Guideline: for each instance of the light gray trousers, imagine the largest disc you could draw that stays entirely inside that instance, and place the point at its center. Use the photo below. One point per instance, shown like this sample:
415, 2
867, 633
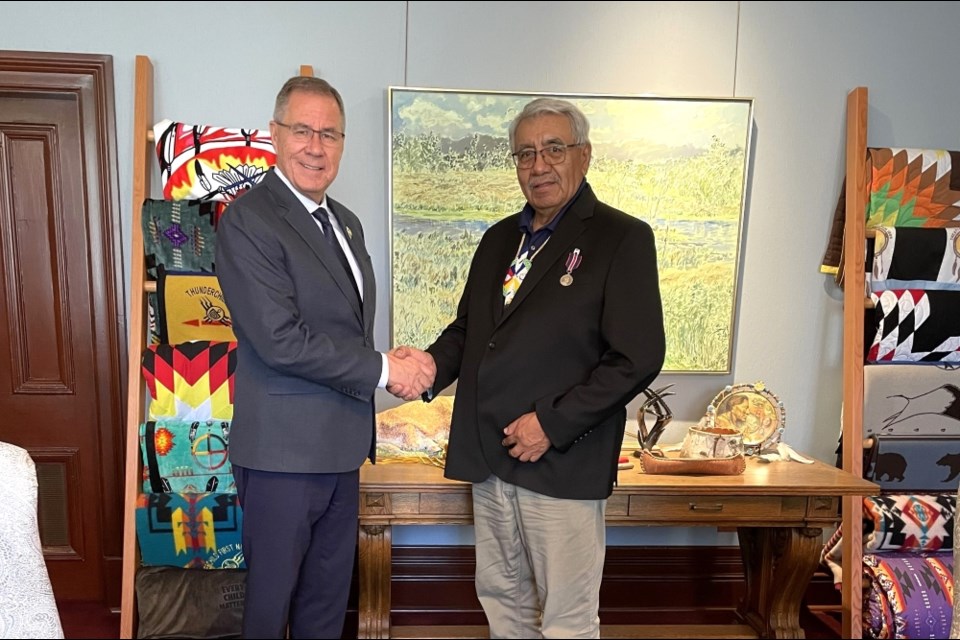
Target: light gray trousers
539, 562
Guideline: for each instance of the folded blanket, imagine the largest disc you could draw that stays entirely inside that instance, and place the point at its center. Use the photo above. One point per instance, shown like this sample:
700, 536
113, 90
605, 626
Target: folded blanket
915, 325
186, 456
907, 595
907, 188
914, 524
911, 400
178, 235
915, 258
190, 381
190, 530
185, 603
207, 163
192, 308
908, 464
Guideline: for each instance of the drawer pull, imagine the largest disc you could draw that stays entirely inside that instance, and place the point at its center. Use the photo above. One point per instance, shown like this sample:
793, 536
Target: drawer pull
706, 507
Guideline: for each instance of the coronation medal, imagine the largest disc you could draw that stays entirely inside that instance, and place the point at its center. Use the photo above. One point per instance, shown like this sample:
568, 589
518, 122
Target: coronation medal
573, 261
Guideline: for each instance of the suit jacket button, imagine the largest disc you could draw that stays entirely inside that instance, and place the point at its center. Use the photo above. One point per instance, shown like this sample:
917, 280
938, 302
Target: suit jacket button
492, 345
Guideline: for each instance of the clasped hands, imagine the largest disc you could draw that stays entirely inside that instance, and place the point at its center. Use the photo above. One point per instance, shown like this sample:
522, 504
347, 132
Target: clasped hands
525, 438
412, 372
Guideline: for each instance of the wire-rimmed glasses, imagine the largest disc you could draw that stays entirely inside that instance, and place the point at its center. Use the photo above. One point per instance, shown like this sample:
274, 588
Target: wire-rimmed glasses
304, 134
551, 154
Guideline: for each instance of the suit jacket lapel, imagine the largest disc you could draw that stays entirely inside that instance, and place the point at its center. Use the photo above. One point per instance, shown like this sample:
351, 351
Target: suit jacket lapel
557, 248
303, 223
358, 250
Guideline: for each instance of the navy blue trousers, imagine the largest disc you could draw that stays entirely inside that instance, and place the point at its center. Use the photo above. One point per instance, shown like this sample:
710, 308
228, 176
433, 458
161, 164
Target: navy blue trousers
299, 541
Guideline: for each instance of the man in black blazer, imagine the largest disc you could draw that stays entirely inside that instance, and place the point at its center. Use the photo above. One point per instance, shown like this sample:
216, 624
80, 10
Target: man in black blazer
299, 284
559, 327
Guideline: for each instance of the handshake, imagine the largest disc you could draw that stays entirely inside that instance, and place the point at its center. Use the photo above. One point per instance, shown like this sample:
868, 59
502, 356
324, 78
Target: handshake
412, 372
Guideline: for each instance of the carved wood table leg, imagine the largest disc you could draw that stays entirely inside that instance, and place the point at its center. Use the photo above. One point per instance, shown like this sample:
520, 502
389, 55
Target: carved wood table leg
375, 554
778, 565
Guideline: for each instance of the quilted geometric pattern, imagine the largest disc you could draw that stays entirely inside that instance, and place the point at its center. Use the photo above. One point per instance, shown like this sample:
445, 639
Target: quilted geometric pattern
908, 188
916, 325
911, 188
190, 381
205, 163
909, 522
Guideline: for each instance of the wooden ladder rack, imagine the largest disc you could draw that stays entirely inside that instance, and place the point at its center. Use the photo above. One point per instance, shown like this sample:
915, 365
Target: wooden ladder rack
140, 288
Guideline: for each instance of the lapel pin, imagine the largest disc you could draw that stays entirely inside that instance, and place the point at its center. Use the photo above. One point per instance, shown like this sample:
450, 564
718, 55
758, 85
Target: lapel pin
349, 233
573, 261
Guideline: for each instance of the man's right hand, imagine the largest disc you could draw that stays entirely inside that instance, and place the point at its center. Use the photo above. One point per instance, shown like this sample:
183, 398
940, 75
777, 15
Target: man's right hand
412, 372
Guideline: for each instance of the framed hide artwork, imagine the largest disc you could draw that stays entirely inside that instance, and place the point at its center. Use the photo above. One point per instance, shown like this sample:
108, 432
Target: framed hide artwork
680, 164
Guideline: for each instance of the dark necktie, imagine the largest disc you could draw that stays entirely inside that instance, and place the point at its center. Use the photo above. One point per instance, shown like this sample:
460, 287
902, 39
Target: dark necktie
323, 217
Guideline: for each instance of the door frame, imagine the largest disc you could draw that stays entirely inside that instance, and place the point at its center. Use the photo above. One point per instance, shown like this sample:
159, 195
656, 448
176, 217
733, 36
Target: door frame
90, 78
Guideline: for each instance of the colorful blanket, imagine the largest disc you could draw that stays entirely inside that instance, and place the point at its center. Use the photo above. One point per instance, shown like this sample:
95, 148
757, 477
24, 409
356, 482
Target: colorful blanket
186, 456
178, 235
907, 188
190, 381
915, 524
192, 308
202, 162
909, 522
907, 595
190, 530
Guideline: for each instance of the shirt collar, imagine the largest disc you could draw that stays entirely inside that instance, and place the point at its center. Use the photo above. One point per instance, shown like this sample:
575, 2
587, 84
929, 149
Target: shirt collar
308, 203
526, 214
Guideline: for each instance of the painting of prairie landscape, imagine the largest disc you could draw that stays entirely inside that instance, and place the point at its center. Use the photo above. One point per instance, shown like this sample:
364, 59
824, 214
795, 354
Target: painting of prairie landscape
680, 164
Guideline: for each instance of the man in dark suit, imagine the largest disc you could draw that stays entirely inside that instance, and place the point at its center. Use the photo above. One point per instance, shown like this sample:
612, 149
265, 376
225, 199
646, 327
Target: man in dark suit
559, 327
299, 284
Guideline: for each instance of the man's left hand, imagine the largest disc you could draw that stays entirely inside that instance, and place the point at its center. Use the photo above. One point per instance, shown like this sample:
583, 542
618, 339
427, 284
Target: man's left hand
525, 438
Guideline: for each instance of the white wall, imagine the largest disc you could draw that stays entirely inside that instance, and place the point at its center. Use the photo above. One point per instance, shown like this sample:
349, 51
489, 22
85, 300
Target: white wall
223, 64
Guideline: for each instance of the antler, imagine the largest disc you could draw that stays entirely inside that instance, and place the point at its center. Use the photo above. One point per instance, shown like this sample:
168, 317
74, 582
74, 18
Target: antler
655, 406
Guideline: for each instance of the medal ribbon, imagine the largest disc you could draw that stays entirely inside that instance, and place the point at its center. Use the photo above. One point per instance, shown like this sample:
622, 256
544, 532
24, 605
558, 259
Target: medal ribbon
573, 260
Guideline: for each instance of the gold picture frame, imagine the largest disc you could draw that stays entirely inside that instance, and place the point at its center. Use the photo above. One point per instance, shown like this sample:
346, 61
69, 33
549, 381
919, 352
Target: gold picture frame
680, 164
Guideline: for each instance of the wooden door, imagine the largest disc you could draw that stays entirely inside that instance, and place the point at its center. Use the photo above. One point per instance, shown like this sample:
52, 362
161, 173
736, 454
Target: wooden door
61, 319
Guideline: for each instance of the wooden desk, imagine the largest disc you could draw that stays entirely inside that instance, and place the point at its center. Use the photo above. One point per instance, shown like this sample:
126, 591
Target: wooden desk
779, 510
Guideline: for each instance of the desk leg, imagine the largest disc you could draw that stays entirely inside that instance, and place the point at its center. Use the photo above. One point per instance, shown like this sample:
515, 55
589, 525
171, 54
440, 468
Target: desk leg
375, 553
778, 565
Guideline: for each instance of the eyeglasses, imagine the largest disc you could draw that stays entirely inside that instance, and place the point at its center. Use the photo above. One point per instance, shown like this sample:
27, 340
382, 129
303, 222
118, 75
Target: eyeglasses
551, 154
303, 133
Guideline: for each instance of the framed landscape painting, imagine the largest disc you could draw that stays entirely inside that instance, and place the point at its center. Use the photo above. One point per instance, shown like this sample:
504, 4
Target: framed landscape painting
680, 164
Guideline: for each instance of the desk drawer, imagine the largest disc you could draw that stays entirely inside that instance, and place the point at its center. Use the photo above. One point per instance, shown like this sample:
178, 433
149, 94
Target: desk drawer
416, 503
707, 509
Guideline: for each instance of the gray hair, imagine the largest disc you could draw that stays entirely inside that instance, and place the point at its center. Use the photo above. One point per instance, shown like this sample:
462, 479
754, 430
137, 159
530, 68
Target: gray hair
546, 106
307, 84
